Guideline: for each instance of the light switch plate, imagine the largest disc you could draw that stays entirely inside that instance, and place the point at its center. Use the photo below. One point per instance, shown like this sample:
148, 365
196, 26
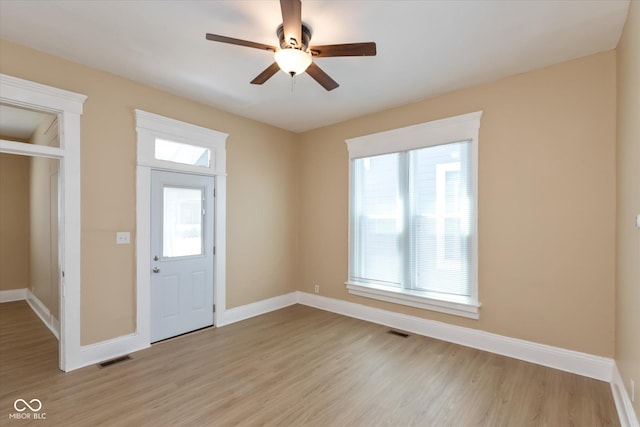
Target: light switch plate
123, 237
638, 221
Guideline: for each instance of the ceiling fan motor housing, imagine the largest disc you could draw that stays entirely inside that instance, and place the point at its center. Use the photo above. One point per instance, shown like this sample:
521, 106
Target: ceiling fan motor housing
292, 43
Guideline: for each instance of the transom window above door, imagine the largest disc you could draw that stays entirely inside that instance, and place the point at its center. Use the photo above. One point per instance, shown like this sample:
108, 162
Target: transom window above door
169, 144
185, 154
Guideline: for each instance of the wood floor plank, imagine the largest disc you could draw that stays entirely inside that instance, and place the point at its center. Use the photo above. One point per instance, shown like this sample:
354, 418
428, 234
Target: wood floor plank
297, 366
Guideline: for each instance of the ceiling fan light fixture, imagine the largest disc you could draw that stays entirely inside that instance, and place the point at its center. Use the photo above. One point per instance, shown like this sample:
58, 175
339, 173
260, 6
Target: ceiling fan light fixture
293, 61
295, 55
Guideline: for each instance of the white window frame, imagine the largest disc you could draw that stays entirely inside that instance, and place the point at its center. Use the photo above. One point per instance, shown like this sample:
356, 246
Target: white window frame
464, 127
150, 126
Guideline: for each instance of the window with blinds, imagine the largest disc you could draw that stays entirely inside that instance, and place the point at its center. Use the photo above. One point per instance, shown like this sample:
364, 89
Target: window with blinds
413, 219
416, 238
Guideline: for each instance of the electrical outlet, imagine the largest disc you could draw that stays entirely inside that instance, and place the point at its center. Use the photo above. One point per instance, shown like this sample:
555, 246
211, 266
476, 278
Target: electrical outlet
123, 238
316, 288
633, 389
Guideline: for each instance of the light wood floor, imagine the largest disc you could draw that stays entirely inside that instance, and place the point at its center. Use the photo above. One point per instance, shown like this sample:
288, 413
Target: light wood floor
294, 367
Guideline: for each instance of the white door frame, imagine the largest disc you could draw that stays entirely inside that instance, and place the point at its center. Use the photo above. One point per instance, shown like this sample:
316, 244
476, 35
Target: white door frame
68, 107
149, 127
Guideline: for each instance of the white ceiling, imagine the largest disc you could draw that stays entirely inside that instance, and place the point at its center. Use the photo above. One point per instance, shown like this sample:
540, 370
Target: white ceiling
425, 48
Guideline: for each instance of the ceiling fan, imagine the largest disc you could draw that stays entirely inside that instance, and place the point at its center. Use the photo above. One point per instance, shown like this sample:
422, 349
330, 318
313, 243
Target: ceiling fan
294, 55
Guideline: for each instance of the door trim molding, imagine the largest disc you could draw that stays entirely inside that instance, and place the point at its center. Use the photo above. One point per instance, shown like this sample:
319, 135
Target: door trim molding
68, 106
150, 126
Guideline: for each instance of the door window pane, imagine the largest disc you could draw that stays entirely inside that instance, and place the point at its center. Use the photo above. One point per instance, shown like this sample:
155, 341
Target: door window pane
182, 213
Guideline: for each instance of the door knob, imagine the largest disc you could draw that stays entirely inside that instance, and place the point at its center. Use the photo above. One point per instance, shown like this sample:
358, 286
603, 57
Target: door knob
156, 270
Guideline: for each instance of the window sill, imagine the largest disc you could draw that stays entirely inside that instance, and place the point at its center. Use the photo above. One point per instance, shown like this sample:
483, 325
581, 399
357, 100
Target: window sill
458, 306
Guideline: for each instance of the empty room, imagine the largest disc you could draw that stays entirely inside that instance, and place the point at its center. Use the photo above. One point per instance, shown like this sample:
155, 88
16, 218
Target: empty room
320, 213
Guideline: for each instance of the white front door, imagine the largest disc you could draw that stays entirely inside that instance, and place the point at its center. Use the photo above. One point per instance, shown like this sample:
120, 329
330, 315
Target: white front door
181, 264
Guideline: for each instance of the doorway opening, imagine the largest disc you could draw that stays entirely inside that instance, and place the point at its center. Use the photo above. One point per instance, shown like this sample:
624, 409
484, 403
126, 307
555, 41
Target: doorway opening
66, 107
29, 222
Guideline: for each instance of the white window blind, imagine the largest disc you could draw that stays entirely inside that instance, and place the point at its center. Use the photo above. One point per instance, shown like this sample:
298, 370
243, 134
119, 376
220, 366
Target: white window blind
413, 217
377, 206
439, 219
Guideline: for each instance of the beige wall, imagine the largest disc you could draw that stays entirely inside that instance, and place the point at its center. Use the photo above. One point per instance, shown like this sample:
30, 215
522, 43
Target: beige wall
628, 206
546, 203
546, 196
14, 222
261, 190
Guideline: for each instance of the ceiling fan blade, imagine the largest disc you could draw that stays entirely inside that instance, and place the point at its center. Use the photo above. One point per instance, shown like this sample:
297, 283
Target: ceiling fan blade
347, 49
239, 42
321, 77
292, 21
266, 74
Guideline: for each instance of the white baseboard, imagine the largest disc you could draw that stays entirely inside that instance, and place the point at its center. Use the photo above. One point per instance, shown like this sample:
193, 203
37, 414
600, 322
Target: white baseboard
38, 308
13, 295
600, 368
623, 402
584, 364
44, 314
243, 312
55, 324
106, 350
120, 346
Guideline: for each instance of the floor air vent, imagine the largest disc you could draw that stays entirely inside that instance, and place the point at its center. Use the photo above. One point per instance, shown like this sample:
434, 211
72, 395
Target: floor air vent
113, 361
398, 333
